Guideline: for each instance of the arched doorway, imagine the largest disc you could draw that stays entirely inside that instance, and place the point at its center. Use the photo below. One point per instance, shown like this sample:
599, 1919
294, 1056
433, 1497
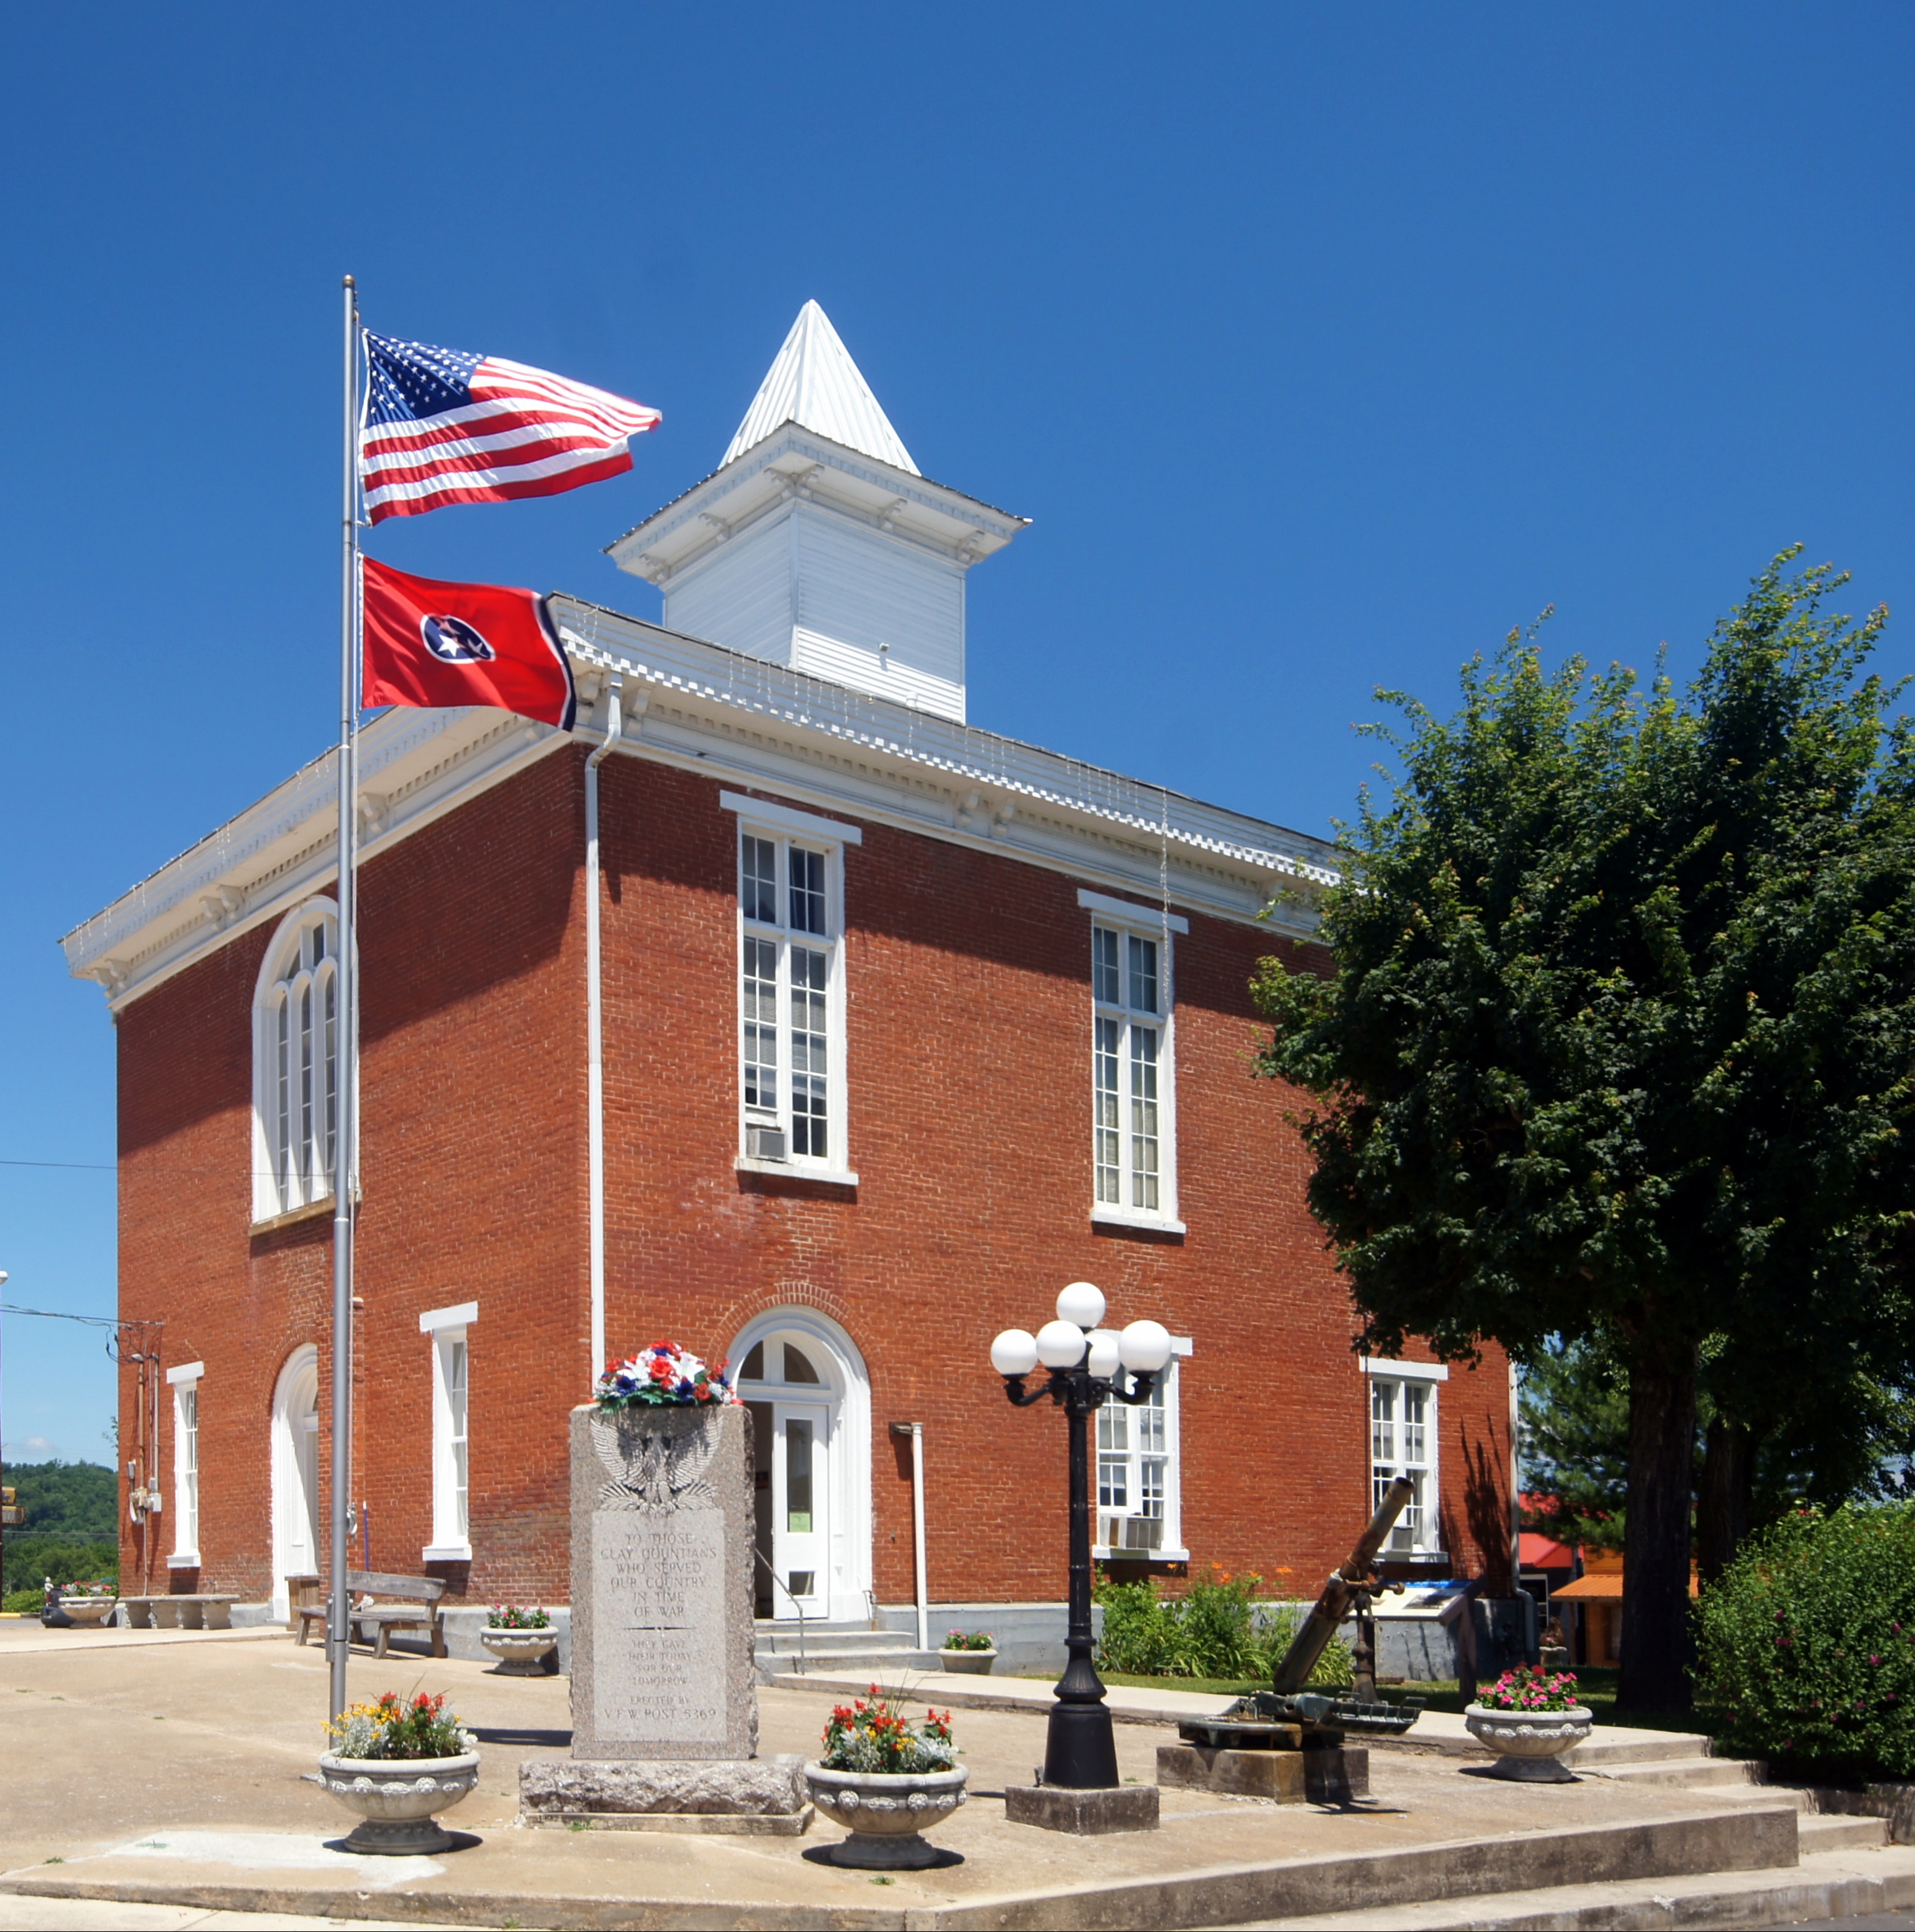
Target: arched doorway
295, 1497
804, 1381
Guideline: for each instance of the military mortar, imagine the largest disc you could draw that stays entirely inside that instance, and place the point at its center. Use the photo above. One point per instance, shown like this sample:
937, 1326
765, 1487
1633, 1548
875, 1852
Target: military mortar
1224, 1752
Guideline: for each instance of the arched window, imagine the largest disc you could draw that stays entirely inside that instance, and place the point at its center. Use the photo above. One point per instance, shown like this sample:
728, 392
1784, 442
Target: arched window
295, 1062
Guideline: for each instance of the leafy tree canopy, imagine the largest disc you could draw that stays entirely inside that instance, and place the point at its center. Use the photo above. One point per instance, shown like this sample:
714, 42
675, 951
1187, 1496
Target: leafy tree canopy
1620, 1044
79, 1502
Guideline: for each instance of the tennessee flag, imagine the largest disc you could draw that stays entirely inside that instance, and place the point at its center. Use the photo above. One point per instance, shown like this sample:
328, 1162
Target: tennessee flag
444, 644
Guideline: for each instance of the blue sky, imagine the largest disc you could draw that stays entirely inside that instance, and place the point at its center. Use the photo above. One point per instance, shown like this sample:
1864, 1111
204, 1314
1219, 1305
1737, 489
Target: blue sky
1322, 345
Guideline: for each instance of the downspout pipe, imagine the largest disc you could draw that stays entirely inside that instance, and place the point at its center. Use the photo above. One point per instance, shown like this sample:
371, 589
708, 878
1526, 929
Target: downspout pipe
613, 708
915, 1430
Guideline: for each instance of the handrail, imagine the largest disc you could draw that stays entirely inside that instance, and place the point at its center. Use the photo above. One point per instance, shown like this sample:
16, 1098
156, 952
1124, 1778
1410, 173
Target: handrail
777, 1583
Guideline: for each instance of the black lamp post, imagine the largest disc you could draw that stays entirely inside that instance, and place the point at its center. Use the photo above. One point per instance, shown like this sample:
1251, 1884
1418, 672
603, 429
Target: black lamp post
1086, 1368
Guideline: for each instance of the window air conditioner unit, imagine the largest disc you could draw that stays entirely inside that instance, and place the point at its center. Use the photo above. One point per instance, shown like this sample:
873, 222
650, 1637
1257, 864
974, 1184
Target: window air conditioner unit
765, 1143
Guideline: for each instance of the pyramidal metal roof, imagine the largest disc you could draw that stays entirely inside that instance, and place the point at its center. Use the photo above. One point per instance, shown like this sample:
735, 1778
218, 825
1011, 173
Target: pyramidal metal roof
814, 383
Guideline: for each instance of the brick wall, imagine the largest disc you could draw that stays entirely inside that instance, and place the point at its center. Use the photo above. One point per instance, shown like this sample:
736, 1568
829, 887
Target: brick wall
967, 1011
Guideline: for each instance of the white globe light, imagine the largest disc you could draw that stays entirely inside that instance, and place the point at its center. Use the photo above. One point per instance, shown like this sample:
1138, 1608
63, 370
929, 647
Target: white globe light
1014, 1352
1103, 1353
1059, 1345
1083, 1302
1145, 1346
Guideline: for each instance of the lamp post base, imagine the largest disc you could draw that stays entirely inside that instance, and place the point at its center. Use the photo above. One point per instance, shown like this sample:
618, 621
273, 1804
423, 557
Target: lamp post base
1123, 1807
1080, 1749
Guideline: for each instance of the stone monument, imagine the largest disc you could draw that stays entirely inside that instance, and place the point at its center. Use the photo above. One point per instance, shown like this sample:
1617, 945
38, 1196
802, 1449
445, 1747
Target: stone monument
664, 1697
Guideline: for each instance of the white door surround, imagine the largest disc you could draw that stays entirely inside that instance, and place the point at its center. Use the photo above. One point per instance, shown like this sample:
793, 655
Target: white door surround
295, 1498
835, 1546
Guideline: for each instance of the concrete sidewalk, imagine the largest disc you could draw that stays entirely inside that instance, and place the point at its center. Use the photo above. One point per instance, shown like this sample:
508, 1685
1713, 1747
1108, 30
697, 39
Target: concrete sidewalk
179, 1776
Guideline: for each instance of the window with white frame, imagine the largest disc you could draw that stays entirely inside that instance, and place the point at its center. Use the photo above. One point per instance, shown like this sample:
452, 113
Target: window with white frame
296, 1056
1403, 1442
1133, 1102
791, 1059
185, 1382
1138, 1512
452, 1510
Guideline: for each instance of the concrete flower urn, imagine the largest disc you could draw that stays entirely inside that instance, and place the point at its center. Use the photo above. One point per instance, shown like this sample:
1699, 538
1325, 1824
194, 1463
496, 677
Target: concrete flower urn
1529, 1745
968, 1663
521, 1653
398, 1799
90, 1612
886, 1812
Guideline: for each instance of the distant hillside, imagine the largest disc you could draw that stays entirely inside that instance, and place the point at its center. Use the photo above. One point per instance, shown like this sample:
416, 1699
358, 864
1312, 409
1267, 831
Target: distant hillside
78, 1500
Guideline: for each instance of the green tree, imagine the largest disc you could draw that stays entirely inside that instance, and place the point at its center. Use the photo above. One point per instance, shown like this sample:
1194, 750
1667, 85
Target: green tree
1619, 1042
1574, 1407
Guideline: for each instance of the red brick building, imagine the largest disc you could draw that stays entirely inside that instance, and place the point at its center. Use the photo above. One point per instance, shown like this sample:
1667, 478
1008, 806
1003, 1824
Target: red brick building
900, 1026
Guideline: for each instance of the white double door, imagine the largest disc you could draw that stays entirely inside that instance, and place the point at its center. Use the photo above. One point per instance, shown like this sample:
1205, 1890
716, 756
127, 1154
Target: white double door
793, 1444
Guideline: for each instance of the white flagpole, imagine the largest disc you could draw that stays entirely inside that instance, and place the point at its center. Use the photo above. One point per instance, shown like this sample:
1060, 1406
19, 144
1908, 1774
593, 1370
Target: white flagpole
346, 1051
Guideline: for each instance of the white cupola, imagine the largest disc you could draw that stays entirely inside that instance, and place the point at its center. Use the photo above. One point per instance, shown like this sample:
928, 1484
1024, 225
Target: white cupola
817, 543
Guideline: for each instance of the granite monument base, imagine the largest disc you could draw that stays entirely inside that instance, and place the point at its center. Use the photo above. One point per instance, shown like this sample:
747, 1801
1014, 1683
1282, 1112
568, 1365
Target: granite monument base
1060, 1807
761, 1796
1330, 1775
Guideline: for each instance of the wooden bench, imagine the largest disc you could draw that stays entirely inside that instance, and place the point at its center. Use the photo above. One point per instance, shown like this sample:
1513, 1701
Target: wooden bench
202, 1610
411, 1603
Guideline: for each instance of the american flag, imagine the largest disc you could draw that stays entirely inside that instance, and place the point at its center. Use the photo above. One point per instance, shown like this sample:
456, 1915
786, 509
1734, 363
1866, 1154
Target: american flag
442, 427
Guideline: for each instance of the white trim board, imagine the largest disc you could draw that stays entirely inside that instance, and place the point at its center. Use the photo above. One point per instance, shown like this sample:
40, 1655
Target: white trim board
436, 1321
187, 1371
802, 824
1410, 1372
1128, 910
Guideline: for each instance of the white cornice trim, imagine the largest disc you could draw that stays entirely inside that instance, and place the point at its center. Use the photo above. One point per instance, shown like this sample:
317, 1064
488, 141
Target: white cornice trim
1130, 912
806, 824
747, 723
460, 1315
187, 1371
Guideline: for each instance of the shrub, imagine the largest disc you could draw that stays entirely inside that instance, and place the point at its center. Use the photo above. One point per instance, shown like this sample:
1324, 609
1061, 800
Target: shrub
1807, 1642
27, 1602
1217, 1630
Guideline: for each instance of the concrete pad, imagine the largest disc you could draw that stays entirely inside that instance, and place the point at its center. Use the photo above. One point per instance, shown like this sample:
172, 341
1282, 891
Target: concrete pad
1828, 1886
133, 1752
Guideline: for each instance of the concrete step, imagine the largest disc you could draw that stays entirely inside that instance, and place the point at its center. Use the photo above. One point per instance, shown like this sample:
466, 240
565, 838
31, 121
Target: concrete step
1637, 1747
828, 1642
1831, 1831
1850, 1884
1691, 1773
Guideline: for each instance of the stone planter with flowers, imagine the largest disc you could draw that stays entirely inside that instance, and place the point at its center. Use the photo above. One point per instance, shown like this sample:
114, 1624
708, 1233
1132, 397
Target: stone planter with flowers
522, 1639
885, 1782
398, 1766
1530, 1718
971, 1653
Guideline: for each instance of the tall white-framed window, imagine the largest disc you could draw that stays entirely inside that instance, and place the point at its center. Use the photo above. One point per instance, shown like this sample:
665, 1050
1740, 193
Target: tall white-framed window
452, 1411
1139, 1508
790, 987
1403, 1442
1133, 1069
185, 1381
295, 1062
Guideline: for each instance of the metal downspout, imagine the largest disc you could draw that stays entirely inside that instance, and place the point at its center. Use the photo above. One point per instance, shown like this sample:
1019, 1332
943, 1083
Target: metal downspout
613, 703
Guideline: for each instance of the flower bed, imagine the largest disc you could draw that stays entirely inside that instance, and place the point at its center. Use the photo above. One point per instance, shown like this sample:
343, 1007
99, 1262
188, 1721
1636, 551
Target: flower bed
392, 1728
873, 1734
664, 1375
1527, 1688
